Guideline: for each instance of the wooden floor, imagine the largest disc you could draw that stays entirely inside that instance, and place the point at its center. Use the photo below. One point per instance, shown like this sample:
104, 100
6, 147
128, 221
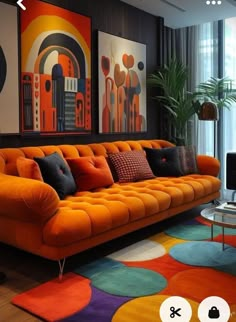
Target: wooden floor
25, 271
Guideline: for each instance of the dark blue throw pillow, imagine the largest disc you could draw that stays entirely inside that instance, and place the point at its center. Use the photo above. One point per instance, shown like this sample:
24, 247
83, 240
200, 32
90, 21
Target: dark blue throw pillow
164, 162
57, 174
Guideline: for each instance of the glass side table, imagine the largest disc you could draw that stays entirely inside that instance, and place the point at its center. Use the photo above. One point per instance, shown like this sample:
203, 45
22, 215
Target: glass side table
225, 220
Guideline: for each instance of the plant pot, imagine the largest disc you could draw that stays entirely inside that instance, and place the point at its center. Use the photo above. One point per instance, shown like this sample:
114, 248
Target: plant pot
180, 141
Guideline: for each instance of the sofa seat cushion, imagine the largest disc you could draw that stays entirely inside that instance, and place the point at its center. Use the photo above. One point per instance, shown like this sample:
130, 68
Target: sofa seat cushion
90, 213
183, 189
178, 193
180, 190
81, 218
210, 184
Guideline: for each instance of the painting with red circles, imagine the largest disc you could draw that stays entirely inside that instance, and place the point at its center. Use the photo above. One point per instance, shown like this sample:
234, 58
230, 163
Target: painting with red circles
55, 70
122, 85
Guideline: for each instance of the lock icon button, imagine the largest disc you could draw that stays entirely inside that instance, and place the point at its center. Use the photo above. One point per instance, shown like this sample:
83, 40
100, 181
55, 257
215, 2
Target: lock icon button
214, 313
214, 309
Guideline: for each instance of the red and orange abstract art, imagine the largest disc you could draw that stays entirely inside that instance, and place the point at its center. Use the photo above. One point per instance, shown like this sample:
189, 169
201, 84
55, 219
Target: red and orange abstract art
122, 85
55, 70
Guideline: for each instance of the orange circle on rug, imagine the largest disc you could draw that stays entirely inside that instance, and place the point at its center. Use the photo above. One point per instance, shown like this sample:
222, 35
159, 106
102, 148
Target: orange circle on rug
147, 309
56, 299
199, 283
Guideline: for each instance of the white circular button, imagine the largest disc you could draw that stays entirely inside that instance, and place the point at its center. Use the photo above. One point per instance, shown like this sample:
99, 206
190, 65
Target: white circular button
174, 309
214, 309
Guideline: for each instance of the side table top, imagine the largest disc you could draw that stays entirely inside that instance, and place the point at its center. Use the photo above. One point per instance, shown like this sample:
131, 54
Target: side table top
219, 218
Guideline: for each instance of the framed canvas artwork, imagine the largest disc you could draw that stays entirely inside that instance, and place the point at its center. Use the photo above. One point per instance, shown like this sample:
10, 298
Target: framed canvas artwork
122, 85
9, 70
55, 70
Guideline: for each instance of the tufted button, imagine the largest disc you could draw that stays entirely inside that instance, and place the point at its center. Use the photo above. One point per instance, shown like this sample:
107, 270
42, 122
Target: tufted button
62, 170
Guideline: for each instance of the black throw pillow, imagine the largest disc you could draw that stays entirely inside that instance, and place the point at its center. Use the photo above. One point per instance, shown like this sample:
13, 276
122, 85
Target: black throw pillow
57, 174
164, 162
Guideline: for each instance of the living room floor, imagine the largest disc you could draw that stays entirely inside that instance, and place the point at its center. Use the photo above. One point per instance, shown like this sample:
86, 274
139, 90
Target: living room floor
25, 271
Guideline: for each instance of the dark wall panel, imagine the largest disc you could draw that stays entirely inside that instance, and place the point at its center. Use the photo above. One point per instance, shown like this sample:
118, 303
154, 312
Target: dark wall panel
120, 19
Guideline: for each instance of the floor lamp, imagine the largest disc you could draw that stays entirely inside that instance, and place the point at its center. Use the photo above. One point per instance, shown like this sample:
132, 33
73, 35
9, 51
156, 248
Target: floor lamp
209, 112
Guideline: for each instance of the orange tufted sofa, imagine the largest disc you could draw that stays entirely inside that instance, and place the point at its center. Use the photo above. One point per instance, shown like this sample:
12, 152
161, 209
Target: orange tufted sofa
33, 218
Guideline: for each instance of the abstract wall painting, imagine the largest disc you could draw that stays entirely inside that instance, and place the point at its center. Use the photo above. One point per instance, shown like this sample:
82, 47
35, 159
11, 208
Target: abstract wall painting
56, 70
9, 70
122, 85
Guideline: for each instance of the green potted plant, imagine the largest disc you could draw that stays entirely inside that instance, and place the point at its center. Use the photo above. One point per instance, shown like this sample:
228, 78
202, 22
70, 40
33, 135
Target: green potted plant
180, 103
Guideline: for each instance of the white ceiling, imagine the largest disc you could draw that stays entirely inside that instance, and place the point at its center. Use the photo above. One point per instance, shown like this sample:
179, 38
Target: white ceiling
182, 13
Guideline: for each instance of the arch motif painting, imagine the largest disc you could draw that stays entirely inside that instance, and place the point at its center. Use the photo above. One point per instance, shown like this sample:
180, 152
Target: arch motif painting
56, 70
9, 74
122, 85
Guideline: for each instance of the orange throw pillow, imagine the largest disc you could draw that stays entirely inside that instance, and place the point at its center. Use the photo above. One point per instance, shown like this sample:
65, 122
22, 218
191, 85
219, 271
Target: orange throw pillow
90, 172
28, 168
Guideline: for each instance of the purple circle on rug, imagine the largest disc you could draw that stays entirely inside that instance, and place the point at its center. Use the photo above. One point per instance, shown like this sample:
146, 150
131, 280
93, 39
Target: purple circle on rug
102, 305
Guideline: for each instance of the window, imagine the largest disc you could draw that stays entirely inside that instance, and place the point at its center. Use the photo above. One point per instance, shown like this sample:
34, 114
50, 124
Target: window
208, 62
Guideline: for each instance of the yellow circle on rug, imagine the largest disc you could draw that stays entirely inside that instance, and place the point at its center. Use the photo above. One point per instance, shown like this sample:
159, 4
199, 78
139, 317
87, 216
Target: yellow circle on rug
147, 309
166, 241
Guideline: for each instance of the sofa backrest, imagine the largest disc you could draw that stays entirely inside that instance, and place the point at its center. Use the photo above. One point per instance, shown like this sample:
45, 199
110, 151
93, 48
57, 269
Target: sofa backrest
8, 156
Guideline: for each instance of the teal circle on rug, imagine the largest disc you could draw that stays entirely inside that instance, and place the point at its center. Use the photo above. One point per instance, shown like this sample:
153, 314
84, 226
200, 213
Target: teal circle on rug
116, 278
192, 232
207, 254
129, 281
97, 267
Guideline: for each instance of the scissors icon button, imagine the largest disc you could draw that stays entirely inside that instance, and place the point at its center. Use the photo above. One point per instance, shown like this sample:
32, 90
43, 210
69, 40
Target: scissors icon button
174, 311
175, 308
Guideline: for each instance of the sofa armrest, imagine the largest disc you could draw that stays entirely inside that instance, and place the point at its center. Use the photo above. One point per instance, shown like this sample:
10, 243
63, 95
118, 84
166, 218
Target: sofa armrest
26, 199
208, 165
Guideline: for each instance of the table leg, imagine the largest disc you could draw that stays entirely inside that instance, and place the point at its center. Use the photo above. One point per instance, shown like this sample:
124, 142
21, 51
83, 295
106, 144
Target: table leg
223, 238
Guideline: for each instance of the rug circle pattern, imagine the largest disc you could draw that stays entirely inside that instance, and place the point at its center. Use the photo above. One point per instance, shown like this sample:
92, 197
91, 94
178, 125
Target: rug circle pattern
181, 260
207, 254
130, 281
146, 309
140, 251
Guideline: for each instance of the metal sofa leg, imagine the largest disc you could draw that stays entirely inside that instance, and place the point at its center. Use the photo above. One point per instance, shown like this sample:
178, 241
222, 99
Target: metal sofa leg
61, 263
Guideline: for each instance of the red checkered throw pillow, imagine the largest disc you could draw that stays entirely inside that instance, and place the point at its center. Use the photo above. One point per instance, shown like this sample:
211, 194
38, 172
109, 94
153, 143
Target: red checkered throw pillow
131, 166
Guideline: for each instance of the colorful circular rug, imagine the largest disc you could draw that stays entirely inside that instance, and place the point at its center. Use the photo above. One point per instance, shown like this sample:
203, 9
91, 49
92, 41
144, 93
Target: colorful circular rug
130, 285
